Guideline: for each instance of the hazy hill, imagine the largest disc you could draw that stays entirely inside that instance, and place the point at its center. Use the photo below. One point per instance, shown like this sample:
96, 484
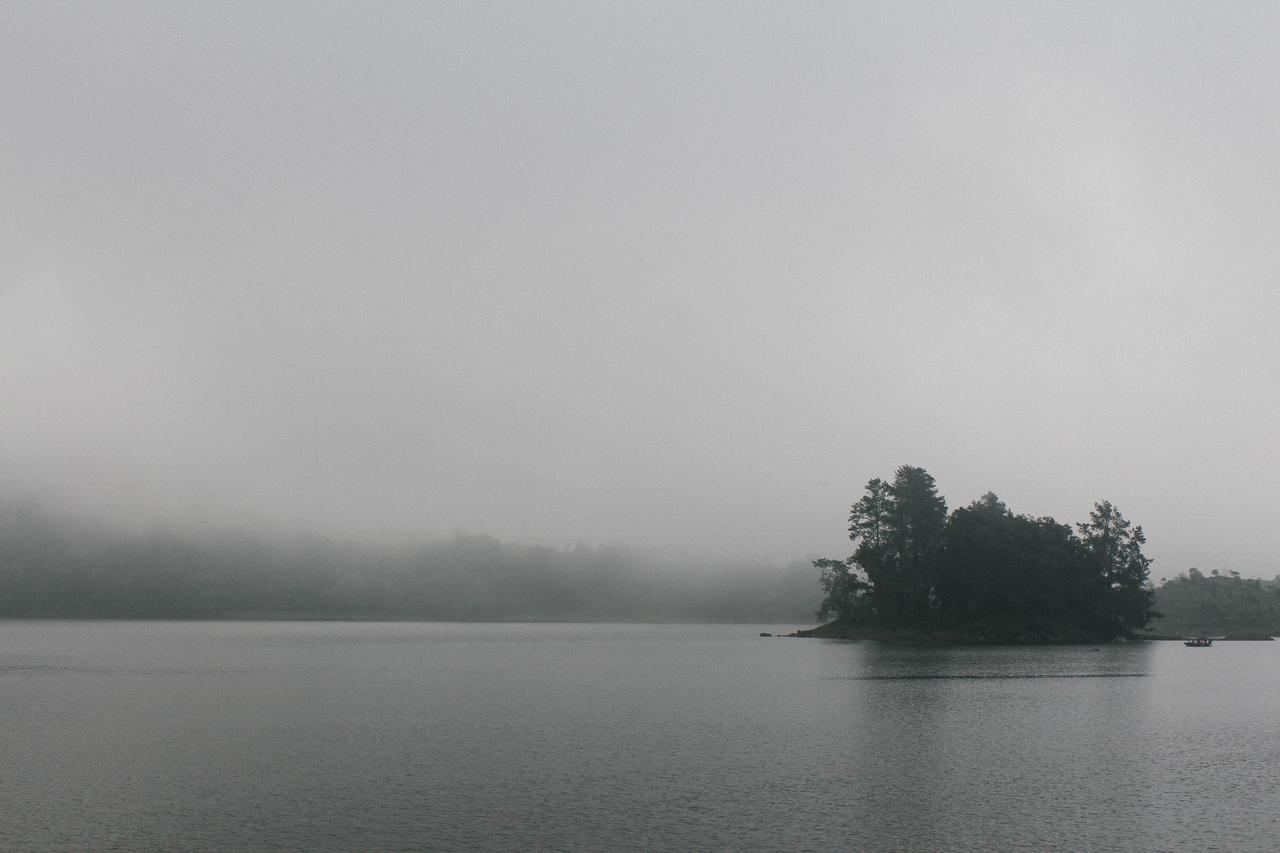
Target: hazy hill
52, 567
1217, 604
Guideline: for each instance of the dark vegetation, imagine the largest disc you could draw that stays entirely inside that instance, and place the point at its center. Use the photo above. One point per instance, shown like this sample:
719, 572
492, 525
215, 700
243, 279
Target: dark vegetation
51, 567
982, 573
1218, 605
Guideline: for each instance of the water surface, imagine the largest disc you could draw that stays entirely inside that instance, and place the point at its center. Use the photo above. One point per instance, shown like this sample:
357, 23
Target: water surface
395, 736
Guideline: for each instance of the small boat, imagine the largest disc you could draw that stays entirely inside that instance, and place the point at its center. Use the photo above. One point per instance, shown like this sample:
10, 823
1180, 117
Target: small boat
1198, 642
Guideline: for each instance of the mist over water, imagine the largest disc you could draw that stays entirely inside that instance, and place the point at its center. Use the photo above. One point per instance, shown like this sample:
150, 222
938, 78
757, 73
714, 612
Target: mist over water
682, 277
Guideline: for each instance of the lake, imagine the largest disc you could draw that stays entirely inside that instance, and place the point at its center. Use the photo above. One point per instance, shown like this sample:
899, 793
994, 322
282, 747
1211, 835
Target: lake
148, 736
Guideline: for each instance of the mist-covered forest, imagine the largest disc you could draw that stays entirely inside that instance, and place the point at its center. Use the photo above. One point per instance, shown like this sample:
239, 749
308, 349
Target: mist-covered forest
51, 566
1217, 604
54, 566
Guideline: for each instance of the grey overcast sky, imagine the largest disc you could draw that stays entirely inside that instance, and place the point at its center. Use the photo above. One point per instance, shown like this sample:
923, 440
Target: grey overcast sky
677, 275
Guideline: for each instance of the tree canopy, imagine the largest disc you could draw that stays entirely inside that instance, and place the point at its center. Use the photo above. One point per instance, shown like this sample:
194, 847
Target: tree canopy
983, 570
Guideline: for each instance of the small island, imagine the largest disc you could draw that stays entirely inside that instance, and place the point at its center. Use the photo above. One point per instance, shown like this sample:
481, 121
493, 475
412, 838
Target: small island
981, 574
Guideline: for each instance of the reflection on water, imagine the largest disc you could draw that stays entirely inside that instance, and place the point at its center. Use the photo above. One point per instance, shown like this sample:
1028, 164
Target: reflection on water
969, 747
162, 736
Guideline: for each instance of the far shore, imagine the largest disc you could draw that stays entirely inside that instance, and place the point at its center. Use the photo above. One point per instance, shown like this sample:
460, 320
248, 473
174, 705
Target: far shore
980, 637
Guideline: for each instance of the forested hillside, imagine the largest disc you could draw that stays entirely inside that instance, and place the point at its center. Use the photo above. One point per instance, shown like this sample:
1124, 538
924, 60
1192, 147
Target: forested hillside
1217, 604
52, 567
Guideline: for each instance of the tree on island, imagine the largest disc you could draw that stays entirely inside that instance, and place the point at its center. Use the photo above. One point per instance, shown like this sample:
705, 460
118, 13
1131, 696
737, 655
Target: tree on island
983, 570
899, 529
1115, 548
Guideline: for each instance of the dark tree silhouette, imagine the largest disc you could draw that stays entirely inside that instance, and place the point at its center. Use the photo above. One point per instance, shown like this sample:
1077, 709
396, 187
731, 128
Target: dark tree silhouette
983, 569
1115, 547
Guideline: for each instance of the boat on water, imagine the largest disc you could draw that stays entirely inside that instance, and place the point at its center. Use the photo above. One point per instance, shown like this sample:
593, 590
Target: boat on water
1198, 642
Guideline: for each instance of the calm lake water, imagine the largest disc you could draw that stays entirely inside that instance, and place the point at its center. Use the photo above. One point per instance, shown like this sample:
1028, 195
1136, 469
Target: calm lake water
283, 736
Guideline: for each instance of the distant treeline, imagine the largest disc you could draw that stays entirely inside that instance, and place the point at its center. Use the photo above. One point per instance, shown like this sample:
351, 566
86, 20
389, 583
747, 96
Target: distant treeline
1218, 604
52, 567
984, 572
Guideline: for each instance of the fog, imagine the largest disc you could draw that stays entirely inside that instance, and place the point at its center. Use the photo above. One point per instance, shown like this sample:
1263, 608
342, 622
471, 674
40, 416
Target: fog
681, 276
58, 566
